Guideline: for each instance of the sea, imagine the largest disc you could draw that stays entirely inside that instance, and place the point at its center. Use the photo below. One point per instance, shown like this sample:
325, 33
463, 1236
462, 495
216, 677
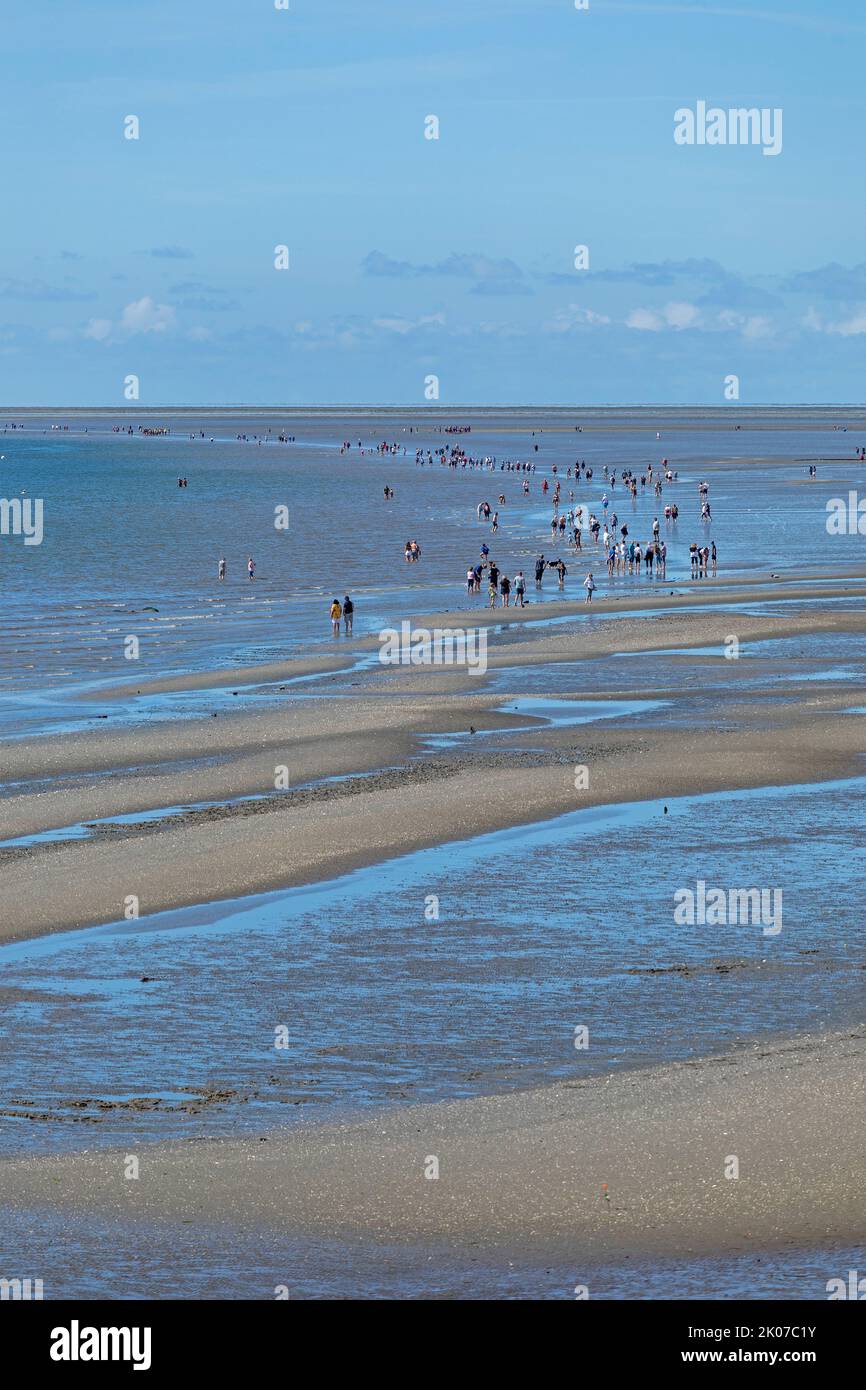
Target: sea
125, 553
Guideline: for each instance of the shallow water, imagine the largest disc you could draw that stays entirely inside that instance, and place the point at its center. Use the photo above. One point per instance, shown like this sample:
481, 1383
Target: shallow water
697, 671
808, 657
547, 713
99, 1257
540, 929
84, 830
125, 552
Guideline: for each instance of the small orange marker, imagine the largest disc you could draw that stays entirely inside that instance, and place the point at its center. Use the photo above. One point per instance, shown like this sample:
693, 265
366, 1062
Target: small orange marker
605, 1195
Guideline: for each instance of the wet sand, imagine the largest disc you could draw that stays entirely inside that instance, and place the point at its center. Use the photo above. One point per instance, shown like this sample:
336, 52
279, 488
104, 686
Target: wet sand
393, 794
624, 635
522, 1175
312, 833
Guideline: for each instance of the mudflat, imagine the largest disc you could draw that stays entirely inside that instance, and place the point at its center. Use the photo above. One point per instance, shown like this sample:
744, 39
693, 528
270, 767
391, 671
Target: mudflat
758, 1148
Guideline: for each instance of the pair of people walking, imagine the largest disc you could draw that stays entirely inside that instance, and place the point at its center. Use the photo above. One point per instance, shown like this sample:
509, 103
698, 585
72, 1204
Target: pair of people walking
344, 611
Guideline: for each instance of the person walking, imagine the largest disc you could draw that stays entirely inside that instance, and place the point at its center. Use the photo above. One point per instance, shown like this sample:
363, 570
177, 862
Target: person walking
589, 585
348, 614
336, 615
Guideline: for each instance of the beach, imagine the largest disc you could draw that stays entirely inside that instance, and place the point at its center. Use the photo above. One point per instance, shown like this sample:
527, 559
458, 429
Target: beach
431, 877
571, 1175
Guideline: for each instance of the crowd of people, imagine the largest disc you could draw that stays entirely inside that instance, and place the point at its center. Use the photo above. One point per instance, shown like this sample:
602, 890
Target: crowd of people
573, 524
623, 555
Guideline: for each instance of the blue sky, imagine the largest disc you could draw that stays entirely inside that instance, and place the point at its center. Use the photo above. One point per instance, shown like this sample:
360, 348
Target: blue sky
412, 257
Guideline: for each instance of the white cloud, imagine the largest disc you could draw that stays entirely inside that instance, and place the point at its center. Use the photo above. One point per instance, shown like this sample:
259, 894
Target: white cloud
678, 314
850, 327
574, 316
393, 325
750, 325
645, 320
681, 314
141, 316
493, 328
758, 326
403, 325
145, 316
